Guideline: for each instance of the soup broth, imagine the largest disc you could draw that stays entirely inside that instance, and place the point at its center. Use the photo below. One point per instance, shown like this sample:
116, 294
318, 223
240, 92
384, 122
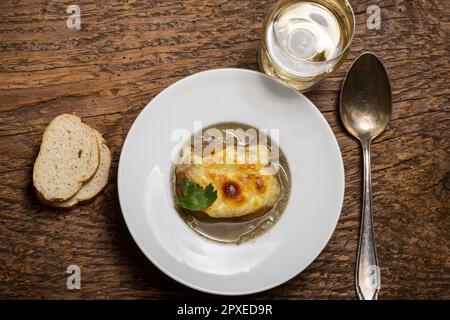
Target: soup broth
236, 229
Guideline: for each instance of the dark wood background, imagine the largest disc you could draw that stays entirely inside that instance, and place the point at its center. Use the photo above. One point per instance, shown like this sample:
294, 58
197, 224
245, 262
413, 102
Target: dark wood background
126, 53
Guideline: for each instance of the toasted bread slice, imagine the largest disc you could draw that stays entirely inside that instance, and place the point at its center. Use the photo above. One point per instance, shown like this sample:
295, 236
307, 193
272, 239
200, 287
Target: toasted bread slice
68, 157
96, 184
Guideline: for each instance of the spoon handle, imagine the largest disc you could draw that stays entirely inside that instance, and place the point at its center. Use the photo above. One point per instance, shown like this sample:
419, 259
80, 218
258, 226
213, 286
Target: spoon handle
367, 270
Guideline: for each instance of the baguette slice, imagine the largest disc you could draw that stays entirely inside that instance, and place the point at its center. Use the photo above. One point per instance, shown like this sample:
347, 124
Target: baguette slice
68, 157
96, 183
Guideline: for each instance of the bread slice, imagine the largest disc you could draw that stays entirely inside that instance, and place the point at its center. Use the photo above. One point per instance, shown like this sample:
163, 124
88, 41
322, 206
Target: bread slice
96, 184
68, 157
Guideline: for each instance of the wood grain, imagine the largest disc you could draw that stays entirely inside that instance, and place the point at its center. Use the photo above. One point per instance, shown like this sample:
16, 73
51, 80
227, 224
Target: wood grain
127, 52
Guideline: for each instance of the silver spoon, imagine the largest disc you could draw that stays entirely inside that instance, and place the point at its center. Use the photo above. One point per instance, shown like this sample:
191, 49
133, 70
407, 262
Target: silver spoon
365, 109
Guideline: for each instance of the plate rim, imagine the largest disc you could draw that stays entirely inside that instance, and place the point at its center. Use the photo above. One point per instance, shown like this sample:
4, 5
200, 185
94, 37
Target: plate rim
184, 282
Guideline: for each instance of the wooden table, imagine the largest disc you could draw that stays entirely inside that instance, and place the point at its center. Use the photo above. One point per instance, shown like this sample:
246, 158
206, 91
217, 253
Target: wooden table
126, 53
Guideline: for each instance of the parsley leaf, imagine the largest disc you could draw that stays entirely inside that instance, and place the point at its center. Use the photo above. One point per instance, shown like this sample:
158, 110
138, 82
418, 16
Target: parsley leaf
196, 198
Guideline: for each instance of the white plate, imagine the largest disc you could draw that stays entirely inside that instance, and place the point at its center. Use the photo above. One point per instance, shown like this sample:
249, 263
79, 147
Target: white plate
311, 214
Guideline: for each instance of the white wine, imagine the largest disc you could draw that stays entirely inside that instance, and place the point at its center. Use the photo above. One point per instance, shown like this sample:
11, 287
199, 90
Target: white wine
306, 40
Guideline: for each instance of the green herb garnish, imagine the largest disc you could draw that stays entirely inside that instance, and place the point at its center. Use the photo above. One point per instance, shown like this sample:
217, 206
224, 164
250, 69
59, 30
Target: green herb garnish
195, 197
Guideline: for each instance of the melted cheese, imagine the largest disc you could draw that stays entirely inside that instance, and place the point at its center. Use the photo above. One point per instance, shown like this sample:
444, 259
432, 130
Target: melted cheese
243, 188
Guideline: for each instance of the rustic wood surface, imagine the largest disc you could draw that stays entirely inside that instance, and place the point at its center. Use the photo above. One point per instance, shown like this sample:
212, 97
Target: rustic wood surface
126, 53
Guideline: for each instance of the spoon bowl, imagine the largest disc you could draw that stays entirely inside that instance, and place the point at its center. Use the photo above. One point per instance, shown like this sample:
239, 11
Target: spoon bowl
366, 99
